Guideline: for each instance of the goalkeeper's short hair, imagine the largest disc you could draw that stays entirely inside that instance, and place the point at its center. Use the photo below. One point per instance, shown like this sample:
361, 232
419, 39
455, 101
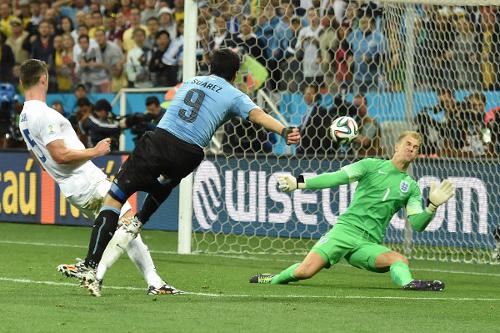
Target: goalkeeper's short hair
413, 134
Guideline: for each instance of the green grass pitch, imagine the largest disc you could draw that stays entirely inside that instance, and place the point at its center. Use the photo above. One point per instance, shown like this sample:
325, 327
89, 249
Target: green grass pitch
35, 298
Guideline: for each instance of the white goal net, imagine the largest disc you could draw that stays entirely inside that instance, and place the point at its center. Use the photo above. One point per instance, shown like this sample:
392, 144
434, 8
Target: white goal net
392, 66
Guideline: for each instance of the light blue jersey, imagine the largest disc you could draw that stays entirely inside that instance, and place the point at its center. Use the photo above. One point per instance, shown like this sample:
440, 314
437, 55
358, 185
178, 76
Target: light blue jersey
201, 105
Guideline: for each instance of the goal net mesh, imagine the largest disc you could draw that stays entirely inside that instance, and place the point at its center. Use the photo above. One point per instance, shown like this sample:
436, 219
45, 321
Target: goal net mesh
391, 66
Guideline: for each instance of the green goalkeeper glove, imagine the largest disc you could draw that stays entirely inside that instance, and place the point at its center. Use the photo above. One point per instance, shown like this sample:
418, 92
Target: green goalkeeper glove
439, 194
291, 183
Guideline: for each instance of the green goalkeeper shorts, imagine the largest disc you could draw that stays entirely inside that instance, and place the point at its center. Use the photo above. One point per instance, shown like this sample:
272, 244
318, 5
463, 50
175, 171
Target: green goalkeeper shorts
349, 242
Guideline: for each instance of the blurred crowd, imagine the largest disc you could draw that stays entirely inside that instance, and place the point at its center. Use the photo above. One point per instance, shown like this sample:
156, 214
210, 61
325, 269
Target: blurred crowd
311, 47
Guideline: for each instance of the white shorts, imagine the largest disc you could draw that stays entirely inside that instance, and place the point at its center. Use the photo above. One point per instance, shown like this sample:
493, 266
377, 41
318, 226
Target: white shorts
89, 202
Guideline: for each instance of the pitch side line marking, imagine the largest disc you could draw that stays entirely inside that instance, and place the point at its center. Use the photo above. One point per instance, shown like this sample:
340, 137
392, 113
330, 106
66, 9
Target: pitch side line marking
245, 257
462, 299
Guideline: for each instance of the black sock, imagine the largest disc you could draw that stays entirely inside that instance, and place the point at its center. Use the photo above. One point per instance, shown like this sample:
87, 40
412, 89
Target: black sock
152, 202
103, 230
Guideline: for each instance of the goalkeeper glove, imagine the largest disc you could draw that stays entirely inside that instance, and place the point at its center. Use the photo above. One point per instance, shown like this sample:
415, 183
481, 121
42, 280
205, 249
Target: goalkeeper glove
290, 183
439, 194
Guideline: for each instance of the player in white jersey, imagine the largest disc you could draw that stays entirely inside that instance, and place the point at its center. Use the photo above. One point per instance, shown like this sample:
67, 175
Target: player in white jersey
54, 143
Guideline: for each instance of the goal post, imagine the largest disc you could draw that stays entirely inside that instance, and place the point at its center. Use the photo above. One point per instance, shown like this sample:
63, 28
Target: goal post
402, 67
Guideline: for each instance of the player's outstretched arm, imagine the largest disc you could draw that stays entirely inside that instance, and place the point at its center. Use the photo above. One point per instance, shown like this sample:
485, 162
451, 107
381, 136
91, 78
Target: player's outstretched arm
259, 117
438, 195
61, 154
326, 180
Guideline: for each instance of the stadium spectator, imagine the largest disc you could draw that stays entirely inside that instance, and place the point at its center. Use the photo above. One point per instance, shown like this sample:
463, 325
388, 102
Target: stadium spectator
292, 75
367, 45
167, 22
17, 39
83, 111
179, 10
308, 49
367, 143
65, 26
204, 44
59, 107
24, 13
128, 35
5, 18
315, 140
163, 75
126, 9
489, 45
68, 65
36, 17
92, 70
434, 51
477, 134
148, 11
328, 44
97, 23
114, 31
7, 61
222, 37
235, 17
70, 8
493, 124
153, 27
247, 41
101, 124
42, 46
344, 59
137, 65
466, 58
64, 82
111, 54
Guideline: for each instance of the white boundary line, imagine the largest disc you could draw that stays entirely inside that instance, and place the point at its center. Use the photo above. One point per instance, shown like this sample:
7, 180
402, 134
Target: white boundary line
453, 299
244, 257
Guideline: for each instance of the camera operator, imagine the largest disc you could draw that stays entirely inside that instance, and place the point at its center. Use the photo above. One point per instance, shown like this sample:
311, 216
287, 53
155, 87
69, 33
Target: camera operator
140, 123
102, 124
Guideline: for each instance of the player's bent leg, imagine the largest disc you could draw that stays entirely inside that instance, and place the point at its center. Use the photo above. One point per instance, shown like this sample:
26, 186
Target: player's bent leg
139, 253
401, 275
311, 265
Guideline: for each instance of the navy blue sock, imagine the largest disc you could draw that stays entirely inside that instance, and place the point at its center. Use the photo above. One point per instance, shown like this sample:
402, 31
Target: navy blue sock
103, 230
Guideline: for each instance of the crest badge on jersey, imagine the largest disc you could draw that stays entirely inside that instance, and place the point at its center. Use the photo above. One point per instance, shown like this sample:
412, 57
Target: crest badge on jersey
404, 186
50, 129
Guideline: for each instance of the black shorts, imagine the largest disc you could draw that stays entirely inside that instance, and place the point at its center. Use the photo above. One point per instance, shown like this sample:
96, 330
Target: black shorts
156, 153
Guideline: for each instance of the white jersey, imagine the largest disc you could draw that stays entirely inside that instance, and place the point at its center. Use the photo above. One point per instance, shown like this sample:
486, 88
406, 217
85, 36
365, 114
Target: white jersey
40, 125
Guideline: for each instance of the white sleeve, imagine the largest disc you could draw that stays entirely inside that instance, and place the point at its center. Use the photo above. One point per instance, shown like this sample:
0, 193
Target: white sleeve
49, 128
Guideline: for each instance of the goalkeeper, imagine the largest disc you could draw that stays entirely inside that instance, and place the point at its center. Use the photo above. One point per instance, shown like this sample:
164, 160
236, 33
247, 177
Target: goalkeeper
383, 188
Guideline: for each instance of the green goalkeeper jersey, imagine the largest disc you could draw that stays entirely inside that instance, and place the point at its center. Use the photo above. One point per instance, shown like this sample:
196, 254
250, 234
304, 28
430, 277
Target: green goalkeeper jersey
382, 190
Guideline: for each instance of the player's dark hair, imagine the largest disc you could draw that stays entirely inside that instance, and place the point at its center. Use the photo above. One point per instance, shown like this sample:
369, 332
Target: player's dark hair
152, 100
84, 101
225, 64
30, 72
162, 32
102, 105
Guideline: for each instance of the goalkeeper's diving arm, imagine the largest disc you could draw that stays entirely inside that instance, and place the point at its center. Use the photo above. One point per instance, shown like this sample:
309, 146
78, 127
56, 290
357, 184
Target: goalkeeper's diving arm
325, 180
438, 195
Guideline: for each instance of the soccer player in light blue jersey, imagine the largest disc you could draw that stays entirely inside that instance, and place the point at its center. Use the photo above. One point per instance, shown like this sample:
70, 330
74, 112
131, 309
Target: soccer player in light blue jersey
163, 157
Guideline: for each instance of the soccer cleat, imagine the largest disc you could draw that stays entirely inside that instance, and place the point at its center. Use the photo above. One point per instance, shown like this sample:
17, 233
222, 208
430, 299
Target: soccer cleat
262, 278
131, 225
166, 289
422, 285
94, 287
72, 271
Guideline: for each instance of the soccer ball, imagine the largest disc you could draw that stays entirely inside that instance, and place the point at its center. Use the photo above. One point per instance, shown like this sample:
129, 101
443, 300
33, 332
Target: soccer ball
343, 130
